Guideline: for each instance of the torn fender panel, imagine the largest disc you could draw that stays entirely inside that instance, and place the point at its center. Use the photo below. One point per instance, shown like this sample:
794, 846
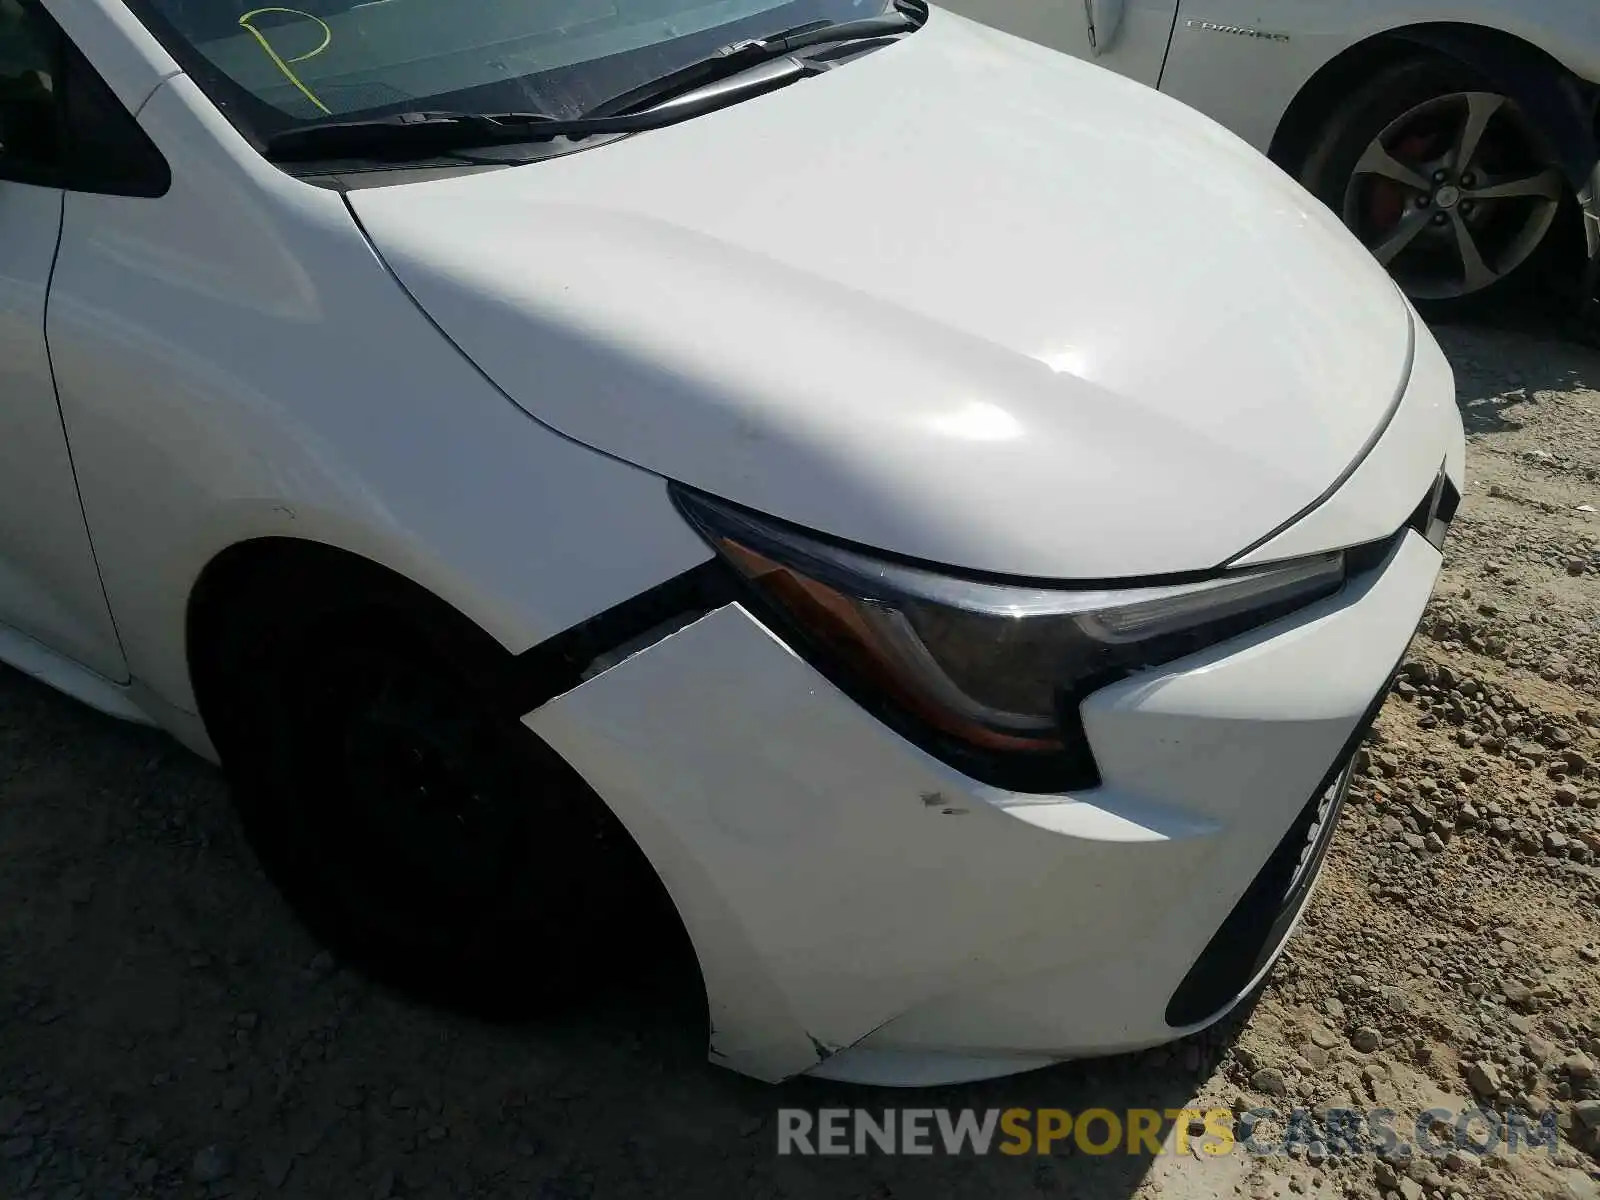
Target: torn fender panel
829, 874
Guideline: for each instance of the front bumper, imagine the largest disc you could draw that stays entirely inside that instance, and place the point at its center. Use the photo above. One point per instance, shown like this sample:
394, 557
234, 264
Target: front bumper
864, 912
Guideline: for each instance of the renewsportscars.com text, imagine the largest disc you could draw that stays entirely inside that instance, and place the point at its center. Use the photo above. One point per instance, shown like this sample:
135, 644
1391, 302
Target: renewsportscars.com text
1215, 1131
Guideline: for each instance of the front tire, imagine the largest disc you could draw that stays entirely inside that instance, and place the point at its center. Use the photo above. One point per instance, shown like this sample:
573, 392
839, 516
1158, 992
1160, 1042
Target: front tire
1443, 178
414, 824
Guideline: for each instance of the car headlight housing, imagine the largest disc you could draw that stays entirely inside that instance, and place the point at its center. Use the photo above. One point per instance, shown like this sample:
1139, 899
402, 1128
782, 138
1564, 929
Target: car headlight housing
986, 674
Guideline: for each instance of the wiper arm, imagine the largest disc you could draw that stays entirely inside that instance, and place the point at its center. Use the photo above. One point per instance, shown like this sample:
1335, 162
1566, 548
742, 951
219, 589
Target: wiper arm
409, 136
732, 59
406, 134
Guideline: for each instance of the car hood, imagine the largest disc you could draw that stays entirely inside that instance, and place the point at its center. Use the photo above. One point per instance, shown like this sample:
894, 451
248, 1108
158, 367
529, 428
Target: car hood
962, 298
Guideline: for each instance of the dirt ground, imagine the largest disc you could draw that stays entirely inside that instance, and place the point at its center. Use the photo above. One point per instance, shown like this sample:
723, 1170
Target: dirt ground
166, 1029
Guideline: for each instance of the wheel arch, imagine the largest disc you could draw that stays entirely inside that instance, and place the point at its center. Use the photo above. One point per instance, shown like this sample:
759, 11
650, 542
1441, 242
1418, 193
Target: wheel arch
1564, 105
232, 581
233, 577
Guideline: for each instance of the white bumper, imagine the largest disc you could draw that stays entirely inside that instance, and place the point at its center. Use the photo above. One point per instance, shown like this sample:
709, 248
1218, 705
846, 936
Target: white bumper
862, 911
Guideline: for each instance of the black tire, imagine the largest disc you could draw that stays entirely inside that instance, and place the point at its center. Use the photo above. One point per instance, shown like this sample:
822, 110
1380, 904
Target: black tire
413, 822
1366, 204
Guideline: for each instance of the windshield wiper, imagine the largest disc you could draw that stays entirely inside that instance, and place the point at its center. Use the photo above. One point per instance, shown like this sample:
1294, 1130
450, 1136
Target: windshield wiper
409, 136
733, 73
741, 56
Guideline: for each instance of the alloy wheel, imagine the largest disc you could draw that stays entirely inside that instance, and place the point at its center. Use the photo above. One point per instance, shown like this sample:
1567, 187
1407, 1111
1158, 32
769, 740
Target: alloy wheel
1454, 194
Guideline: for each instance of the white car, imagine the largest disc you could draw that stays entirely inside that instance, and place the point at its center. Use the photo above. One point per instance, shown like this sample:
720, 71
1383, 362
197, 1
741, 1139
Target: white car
826, 481
1457, 138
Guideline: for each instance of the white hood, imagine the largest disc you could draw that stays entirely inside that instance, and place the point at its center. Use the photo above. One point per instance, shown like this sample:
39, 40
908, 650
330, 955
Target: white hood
964, 298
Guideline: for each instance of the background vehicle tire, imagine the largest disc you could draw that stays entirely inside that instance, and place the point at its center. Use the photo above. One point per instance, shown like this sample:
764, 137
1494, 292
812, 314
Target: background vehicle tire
1443, 178
412, 821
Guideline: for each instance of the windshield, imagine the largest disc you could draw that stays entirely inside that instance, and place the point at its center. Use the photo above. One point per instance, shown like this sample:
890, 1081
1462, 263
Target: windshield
277, 68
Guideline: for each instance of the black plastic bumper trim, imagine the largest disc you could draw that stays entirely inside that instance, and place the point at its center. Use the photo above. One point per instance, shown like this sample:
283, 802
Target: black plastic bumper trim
1261, 918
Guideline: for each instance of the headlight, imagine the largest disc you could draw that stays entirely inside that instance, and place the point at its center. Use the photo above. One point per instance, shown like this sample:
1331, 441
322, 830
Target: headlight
987, 675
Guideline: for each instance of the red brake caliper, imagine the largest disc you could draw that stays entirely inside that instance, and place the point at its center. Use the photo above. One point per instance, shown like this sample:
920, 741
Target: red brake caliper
1387, 199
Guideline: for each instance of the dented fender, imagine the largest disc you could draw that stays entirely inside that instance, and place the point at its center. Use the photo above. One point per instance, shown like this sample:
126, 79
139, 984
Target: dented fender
830, 875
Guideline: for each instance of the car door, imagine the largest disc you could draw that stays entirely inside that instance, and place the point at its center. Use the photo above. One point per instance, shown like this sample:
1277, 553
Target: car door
49, 587
1126, 36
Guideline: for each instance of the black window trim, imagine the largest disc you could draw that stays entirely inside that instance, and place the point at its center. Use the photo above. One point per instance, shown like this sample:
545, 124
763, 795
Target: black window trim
101, 148
25, 171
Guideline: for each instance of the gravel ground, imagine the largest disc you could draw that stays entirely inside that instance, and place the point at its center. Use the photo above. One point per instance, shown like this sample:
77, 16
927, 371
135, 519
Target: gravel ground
166, 1029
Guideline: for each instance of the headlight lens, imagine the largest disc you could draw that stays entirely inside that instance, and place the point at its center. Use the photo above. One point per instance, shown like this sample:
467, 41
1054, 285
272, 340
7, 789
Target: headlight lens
994, 672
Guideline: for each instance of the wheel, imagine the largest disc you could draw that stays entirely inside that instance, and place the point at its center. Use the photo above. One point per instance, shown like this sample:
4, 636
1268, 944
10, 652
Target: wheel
412, 821
1442, 178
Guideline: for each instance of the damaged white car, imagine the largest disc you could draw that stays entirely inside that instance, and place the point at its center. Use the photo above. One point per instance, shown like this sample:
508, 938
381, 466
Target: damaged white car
939, 516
